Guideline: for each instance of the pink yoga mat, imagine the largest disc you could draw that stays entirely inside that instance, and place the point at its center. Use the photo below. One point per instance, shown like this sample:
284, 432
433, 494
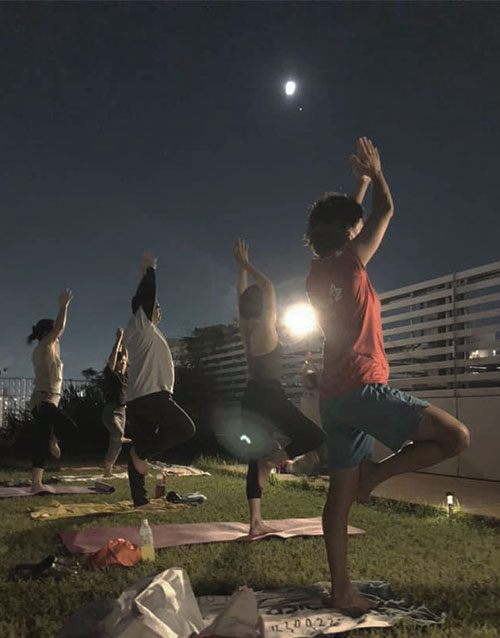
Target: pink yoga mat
88, 541
8, 492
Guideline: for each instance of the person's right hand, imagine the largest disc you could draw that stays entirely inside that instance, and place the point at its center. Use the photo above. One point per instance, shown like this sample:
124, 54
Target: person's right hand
148, 261
240, 252
65, 297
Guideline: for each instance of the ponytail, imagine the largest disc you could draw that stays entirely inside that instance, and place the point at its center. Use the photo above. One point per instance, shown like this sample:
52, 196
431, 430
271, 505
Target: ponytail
41, 329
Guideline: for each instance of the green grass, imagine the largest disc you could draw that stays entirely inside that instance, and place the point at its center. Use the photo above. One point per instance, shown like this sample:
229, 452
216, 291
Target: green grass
448, 566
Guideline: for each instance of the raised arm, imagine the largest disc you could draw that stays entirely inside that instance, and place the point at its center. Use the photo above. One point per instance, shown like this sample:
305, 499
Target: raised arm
240, 253
60, 323
241, 282
361, 182
113, 357
365, 245
145, 296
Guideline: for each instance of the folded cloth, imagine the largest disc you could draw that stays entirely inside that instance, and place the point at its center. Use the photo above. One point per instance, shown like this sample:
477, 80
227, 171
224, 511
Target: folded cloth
55, 510
171, 469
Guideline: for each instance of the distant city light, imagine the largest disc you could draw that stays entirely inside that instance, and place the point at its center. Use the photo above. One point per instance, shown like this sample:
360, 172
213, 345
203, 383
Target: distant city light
290, 87
300, 319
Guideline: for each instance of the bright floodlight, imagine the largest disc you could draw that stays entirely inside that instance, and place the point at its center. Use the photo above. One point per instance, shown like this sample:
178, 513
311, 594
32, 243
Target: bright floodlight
300, 319
290, 87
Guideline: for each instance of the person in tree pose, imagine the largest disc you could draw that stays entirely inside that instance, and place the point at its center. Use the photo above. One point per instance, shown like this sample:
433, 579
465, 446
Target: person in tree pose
356, 404
51, 424
285, 431
114, 412
156, 422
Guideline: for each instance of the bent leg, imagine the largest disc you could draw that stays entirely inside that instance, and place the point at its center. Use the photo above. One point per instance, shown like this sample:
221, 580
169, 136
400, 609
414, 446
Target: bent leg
304, 434
439, 436
114, 420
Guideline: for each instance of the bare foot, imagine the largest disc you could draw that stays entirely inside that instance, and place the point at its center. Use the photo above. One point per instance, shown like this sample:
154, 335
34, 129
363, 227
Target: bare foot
266, 464
260, 528
140, 465
352, 603
125, 440
54, 448
366, 482
35, 489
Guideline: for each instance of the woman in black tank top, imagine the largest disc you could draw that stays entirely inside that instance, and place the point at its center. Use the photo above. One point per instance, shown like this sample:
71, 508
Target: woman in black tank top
276, 429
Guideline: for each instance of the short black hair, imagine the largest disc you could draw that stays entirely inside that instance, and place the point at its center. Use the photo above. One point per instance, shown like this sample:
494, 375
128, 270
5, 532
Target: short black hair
330, 219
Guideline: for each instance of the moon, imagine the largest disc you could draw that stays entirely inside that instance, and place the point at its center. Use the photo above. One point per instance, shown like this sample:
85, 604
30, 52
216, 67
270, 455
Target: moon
290, 87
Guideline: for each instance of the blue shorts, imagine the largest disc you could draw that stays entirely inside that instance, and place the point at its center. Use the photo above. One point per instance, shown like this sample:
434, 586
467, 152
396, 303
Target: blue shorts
353, 420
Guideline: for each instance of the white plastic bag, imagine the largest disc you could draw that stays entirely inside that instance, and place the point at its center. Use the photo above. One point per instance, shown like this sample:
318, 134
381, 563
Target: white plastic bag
166, 608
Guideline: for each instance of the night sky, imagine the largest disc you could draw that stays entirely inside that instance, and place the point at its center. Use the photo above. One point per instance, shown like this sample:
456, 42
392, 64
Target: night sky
164, 126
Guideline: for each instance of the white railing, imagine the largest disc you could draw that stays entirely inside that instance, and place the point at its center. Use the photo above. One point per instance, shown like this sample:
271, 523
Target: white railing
444, 334
15, 392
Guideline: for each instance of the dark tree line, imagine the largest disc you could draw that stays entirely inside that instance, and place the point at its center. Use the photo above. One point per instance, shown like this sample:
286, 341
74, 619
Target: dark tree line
194, 391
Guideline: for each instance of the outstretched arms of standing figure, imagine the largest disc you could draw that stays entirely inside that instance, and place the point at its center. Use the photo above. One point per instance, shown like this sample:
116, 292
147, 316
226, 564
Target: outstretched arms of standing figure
240, 253
118, 345
367, 162
361, 182
145, 297
242, 281
60, 323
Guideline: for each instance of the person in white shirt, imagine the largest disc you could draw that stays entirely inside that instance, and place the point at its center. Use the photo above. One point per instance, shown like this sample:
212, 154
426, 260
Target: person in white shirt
155, 422
50, 423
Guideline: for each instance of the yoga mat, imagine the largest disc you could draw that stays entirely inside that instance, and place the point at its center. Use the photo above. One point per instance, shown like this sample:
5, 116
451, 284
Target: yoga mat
9, 492
88, 541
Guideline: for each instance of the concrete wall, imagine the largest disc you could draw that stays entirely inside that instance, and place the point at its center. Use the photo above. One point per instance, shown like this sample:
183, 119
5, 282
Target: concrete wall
481, 414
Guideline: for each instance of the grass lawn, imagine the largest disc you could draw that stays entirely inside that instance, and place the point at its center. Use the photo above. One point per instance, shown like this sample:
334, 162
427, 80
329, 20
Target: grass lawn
448, 566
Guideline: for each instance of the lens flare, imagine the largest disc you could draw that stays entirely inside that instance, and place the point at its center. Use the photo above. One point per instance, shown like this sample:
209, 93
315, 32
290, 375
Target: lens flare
300, 319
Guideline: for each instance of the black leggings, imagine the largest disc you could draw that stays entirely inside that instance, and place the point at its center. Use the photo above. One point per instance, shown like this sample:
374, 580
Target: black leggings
155, 423
49, 420
266, 408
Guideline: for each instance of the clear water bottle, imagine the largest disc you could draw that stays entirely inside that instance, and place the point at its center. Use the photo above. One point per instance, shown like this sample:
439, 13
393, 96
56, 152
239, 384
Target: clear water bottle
146, 541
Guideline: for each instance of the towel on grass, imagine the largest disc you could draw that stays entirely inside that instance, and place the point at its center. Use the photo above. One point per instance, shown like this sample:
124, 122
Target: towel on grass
55, 510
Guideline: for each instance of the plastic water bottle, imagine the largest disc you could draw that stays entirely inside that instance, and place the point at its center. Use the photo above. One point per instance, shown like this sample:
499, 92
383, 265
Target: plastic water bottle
146, 541
160, 485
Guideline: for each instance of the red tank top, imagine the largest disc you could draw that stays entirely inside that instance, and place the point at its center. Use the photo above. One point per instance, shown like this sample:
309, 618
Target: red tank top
348, 310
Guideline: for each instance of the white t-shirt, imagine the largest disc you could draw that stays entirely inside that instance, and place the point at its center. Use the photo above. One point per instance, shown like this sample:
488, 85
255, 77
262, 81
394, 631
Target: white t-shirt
151, 367
48, 369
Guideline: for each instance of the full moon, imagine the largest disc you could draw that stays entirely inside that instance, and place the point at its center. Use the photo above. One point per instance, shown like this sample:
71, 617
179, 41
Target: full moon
290, 87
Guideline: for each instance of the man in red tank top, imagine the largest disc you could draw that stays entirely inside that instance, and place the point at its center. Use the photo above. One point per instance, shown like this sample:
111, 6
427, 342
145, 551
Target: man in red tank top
356, 403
